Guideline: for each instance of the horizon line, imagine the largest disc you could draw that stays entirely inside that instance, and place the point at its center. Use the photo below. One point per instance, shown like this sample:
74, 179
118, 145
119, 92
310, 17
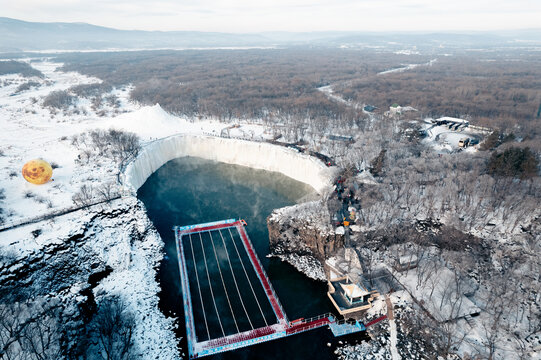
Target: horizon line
411, 32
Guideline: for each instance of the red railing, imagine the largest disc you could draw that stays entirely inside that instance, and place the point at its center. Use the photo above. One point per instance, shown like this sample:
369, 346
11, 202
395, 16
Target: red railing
269, 290
310, 323
264, 331
376, 320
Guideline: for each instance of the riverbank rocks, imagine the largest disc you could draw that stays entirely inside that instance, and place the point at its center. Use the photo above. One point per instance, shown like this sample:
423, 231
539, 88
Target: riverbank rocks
303, 236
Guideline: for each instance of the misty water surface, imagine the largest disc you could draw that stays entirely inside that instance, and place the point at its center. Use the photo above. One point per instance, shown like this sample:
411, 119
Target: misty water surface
191, 190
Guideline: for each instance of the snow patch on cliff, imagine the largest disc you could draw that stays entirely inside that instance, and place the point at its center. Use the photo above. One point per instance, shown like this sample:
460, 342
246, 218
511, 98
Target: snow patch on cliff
314, 214
305, 264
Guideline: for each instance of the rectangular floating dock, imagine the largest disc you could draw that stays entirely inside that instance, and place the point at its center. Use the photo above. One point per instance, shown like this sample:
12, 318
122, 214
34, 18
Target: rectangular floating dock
229, 302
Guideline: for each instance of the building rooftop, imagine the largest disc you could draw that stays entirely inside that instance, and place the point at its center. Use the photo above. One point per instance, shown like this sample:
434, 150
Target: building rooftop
348, 297
353, 290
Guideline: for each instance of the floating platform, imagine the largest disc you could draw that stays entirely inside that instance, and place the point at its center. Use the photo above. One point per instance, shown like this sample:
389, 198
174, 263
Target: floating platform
224, 283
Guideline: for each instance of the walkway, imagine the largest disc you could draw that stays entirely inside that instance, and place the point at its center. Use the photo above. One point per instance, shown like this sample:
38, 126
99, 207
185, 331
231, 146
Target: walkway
392, 325
54, 213
271, 295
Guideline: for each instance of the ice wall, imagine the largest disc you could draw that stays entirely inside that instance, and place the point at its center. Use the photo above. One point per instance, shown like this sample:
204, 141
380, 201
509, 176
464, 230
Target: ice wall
257, 155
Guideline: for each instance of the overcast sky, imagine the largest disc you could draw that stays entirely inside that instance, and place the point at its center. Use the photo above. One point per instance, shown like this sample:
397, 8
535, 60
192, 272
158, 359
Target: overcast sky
284, 15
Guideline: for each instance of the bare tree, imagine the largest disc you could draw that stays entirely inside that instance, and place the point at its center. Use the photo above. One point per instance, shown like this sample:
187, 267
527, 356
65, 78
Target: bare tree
84, 196
30, 331
11, 326
107, 191
2, 198
41, 336
112, 328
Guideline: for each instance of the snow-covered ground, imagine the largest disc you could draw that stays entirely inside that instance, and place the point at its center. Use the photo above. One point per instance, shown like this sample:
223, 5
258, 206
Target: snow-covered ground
31, 131
407, 52
438, 294
329, 92
445, 140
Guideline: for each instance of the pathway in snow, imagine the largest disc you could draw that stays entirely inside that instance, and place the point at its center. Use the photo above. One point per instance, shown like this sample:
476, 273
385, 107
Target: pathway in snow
407, 67
392, 325
329, 92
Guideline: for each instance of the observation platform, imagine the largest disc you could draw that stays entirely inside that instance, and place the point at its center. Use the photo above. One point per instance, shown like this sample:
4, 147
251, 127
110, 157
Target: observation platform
229, 302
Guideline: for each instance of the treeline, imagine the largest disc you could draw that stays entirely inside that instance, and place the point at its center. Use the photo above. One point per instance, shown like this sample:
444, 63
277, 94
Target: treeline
236, 84
281, 84
17, 67
499, 92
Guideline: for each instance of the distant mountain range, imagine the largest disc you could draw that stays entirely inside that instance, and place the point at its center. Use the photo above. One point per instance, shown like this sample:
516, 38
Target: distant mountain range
17, 35
20, 35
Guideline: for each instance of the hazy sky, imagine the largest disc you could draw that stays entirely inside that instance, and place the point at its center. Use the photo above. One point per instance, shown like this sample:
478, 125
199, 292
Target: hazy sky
284, 15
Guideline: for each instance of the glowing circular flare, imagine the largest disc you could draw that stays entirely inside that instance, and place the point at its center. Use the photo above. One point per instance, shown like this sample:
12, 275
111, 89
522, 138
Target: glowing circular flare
37, 171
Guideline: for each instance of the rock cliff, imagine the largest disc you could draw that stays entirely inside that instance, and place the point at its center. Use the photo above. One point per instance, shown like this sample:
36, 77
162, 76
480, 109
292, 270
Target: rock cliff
303, 236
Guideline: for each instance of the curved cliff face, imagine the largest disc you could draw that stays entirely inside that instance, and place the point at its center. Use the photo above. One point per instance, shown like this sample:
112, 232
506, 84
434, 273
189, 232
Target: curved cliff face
257, 155
302, 235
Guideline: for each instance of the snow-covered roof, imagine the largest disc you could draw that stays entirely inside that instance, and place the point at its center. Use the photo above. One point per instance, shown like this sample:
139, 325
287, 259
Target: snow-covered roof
353, 290
408, 259
457, 120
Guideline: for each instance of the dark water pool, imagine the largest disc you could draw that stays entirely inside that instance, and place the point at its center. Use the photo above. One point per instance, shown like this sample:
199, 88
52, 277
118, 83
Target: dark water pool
191, 190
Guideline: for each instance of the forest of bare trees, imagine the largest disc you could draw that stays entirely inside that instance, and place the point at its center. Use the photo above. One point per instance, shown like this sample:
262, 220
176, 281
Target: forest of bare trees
497, 90
18, 67
275, 85
467, 223
38, 330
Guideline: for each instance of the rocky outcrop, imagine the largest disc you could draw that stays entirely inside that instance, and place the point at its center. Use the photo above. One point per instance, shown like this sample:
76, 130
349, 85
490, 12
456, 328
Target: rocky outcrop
72, 264
303, 236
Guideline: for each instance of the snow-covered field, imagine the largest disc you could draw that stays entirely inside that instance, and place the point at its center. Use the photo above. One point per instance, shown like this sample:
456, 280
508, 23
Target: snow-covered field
31, 131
